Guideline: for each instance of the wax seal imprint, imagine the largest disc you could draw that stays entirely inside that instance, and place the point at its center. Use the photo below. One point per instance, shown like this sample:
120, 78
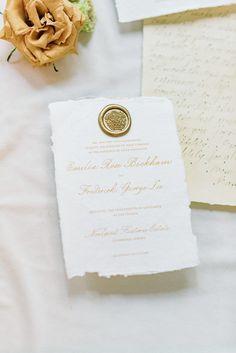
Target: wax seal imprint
115, 120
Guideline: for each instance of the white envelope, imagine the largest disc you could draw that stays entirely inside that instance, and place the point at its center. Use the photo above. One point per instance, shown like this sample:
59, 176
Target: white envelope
133, 10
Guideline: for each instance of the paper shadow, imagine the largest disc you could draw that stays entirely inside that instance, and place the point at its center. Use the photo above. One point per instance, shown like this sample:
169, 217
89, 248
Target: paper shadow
136, 26
205, 206
135, 285
192, 15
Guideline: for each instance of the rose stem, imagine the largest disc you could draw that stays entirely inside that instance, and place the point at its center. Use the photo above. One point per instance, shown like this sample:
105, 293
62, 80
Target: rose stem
10, 55
55, 68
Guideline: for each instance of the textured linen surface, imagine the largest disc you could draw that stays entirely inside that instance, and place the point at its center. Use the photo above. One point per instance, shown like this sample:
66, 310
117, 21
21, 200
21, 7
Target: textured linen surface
190, 311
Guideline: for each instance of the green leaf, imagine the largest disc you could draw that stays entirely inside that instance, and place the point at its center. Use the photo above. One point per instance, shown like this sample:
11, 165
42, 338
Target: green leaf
86, 7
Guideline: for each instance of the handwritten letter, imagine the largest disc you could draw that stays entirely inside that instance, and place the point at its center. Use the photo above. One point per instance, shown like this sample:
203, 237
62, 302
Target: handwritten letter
191, 59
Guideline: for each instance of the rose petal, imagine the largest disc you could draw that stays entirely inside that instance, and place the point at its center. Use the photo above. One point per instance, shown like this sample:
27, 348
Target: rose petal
15, 16
39, 38
35, 10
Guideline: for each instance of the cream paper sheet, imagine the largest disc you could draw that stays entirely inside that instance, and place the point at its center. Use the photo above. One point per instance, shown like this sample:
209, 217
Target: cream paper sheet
132, 10
191, 58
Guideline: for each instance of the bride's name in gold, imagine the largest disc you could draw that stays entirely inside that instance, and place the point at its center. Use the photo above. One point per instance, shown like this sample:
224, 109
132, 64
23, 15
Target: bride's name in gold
150, 161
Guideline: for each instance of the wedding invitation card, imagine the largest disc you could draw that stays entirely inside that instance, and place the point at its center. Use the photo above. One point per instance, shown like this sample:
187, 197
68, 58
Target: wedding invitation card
121, 188
190, 58
132, 10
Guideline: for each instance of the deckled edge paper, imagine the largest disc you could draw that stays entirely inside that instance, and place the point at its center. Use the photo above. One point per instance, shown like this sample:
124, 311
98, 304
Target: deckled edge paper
133, 10
66, 118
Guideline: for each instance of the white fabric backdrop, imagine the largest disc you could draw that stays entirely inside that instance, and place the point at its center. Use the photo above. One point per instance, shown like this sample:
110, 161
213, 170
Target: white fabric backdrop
192, 311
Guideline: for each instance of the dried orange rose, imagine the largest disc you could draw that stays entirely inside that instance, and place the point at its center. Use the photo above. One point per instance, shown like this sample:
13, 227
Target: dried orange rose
42, 30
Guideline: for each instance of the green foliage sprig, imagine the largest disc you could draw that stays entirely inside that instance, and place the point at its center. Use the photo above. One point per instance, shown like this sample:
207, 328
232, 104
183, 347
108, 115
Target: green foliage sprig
86, 7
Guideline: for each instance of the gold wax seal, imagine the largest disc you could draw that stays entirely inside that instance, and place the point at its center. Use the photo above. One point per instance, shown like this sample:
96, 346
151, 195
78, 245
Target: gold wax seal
115, 120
